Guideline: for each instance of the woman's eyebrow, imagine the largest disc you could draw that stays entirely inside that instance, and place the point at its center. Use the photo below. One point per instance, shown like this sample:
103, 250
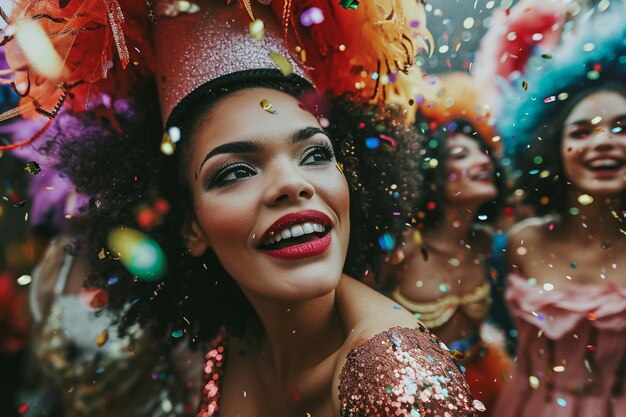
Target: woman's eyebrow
578, 122
250, 146
306, 133
244, 146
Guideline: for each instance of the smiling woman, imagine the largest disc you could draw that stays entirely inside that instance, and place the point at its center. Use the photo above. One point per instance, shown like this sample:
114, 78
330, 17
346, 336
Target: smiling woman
566, 290
262, 223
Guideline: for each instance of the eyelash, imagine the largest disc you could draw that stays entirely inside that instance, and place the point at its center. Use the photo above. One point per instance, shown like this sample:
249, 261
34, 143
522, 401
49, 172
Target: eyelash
582, 132
217, 180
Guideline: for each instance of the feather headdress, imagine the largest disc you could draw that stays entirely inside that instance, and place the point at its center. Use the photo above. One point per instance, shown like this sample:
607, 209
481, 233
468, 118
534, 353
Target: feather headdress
73, 52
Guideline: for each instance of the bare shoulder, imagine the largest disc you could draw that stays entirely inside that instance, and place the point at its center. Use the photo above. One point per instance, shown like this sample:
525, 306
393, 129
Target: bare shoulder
525, 238
392, 362
482, 235
530, 229
366, 312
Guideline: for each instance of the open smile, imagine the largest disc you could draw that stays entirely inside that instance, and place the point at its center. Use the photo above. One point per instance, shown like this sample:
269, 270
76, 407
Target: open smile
605, 167
298, 235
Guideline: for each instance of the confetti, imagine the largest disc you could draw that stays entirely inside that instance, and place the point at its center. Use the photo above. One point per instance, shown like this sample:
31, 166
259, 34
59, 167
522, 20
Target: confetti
167, 146
387, 242
24, 280
102, 338
267, 106
281, 62
257, 29
372, 142
23, 408
32, 168
479, 406
174, 133
349, 4
177, 334
138, 252
417, 238
312, 16
524, 85
533, 381
585, 199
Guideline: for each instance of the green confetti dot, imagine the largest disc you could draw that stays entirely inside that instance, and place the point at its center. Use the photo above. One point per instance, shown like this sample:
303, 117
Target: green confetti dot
444, 288
593, 75
573, 265
574, 211
538, 159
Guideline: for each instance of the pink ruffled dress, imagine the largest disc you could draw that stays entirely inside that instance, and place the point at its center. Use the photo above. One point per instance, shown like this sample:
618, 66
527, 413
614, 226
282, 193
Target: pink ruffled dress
571, 359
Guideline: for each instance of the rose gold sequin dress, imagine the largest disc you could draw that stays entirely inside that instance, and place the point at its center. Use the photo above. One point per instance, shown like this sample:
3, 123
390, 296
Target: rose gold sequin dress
399, 372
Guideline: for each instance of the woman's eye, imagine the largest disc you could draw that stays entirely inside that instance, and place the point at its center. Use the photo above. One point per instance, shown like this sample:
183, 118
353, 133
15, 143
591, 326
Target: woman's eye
579, 133
231, 174
457, 152
318, 155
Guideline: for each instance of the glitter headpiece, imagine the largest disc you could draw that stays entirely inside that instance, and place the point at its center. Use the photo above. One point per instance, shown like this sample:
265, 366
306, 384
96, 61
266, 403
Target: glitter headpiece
212, 48
592, 56
65, 52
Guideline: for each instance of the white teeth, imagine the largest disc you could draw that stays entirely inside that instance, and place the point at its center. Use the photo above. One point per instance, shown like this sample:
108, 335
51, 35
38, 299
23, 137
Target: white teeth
603, 163
295, 231
482, 176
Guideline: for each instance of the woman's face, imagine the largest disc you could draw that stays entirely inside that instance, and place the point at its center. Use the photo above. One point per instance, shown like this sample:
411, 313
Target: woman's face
269, 198
594, 144
469, 172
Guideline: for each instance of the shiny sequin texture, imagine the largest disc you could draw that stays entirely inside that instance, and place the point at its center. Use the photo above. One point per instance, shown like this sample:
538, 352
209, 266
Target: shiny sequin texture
403, 372
213, 374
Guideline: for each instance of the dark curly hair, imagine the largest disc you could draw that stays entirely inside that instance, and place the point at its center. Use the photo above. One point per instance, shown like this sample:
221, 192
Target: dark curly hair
432, 190
539, 170
125, 169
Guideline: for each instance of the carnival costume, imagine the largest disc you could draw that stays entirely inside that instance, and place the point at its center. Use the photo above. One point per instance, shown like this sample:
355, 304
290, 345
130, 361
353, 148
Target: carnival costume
203, 48
457, 97
571, 355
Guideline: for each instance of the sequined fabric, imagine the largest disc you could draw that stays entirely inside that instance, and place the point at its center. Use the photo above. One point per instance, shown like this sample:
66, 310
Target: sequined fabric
213, 375
403, 372
96, 379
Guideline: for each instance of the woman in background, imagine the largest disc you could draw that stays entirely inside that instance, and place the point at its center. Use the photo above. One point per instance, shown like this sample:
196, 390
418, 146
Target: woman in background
441, 272
566, 289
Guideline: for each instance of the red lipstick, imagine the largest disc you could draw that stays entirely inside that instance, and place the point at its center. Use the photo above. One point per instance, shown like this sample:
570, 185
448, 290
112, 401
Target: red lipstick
300, 250
303, 250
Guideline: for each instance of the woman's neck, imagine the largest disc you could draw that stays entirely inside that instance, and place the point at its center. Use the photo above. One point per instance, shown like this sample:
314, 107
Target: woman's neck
598, 220
454, 229
298, 334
